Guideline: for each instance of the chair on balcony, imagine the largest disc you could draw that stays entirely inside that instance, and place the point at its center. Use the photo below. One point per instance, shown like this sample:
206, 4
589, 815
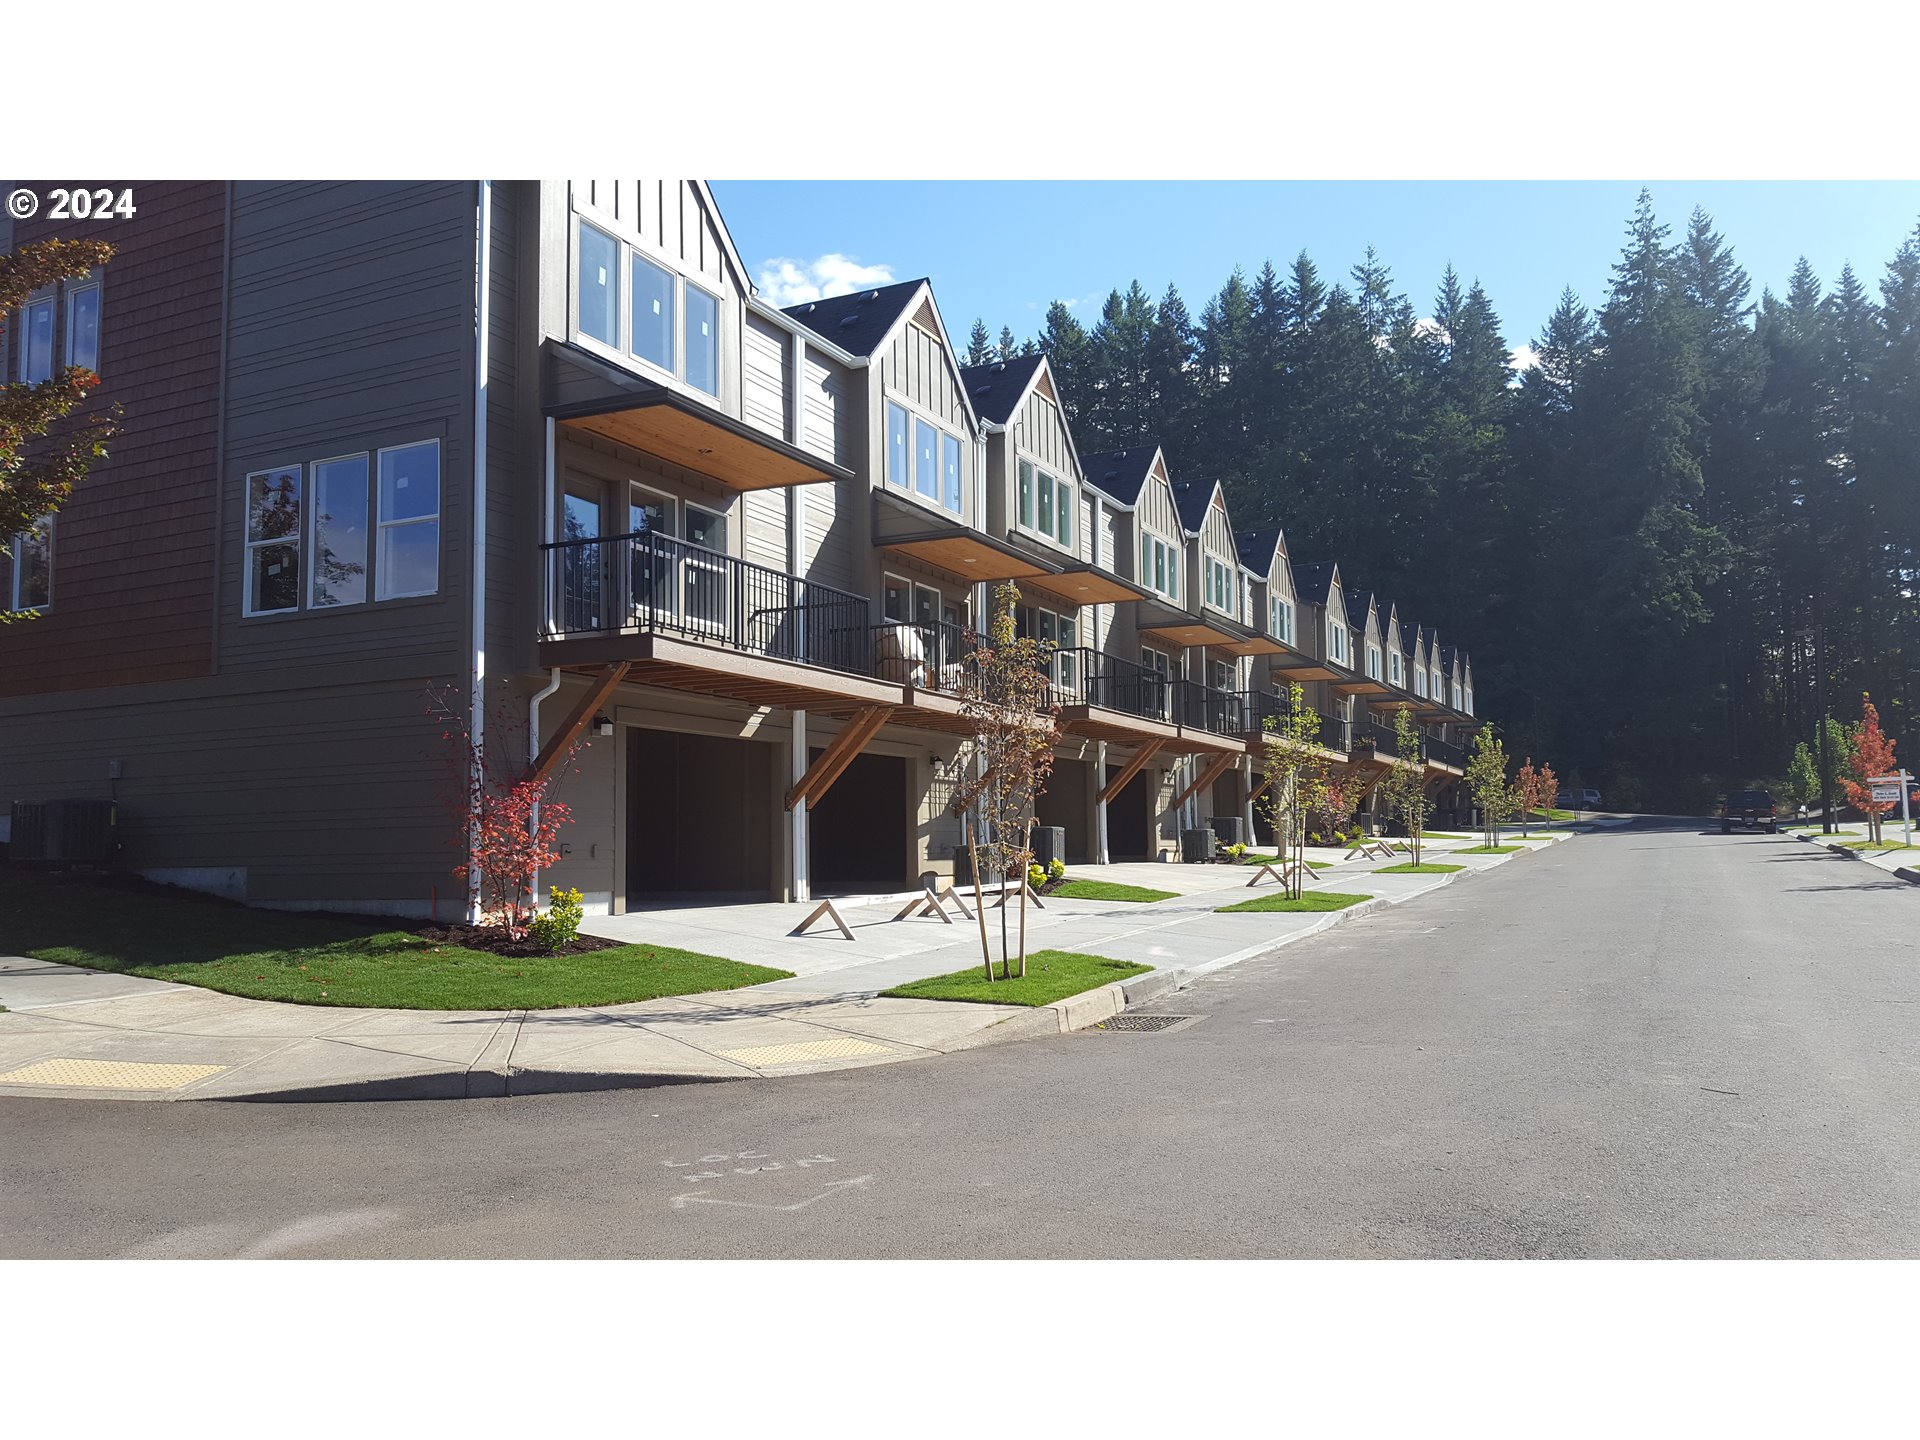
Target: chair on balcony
900, 653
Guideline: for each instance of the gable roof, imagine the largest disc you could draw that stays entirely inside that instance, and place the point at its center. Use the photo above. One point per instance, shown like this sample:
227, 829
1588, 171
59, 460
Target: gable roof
1411, 638
1314, 583
1447, 654
705, 192
999, 387
1357, 608
1191, 498
859, 322
1121, 473
1257, 548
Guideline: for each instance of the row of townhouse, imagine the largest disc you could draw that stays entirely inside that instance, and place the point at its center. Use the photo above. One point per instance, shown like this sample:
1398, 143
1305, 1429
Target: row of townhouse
542, 443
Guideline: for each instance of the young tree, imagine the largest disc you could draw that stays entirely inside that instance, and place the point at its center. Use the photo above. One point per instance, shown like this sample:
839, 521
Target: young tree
509, 825
1534, 790
34, 487
979, 344
1005, 694
1872, 755
1405, 786
1295, 771
1803, 776
1487, 780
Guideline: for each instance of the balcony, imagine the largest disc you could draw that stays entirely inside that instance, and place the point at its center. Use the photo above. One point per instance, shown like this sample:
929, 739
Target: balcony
691, 618
1445, 752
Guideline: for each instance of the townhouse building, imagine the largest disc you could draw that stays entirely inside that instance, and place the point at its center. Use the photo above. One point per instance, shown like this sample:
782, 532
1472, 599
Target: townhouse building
540, 446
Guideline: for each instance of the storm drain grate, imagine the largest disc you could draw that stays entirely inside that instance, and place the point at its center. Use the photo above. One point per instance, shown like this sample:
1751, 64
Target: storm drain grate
1144, 1022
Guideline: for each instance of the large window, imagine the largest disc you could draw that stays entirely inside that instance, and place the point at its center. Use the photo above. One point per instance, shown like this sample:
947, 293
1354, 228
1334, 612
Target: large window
83, 325
669, 322
1393, 666
1046, 504
1280, 619
1336, 640
1218, 580
313, 530
1060, 630
1373, 662
1420, 680
26, 577
599, 285
409, 520
1160, 566
929, 466
339, 571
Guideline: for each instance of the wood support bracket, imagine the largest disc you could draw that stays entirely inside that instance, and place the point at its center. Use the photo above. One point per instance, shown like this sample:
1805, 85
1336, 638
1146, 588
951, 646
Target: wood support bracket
839, 754
1221, 764
1133, 767
604, 684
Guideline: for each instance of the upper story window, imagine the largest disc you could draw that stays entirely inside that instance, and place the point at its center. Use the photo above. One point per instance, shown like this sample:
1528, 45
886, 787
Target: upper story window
1046, 504
1439, 691
36, 340
1336, 640
922, 458
1373, 662
83, 324
1218, 582
1280, 619
1469, 700
1393, 666
26, 576
1420, 680
1160, 566
669, 322
310, 527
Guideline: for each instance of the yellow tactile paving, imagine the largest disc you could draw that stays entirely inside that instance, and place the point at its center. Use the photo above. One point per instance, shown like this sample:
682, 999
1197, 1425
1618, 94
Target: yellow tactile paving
109, 1074
799, 1053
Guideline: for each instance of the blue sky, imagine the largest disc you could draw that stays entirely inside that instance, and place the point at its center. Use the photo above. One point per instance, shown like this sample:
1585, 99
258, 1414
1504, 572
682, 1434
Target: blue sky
1003, 250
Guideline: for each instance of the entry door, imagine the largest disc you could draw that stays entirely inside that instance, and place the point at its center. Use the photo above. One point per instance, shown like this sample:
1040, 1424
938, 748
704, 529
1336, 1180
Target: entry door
650, 586
581, 603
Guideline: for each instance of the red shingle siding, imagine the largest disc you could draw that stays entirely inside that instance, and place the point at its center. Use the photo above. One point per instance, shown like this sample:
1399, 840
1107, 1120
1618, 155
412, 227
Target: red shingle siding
134, 549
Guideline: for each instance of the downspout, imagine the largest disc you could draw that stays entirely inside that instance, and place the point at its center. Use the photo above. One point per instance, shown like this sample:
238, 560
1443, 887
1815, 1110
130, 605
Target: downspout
547, 523
477, 579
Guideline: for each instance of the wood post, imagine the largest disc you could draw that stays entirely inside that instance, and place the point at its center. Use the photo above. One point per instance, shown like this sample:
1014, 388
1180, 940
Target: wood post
838, 755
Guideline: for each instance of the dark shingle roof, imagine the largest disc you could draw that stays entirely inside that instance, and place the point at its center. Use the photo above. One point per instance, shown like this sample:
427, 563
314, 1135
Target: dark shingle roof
996, 389
1190, 498
1409, 637
860, 321
1121, 473
1357, 610
1256, 548
1311, 582
1447, 652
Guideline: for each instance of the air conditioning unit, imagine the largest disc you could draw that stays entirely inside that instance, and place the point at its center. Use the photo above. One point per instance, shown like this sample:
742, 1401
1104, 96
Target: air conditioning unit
63, 832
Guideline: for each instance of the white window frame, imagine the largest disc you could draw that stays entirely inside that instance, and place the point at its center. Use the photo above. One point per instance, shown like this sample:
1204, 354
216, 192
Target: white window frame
10, 598
298, 539
73, 292
1217, 583
626, 250
382, 524
1336, 640
1154, 546
942, 433
683, 315
51, 299
888, 578
1060, 499
1373, 662
676, 328
1393, 666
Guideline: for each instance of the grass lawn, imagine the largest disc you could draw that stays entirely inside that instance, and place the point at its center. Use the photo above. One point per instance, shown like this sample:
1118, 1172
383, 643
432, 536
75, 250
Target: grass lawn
1437, 835
1426, 867
1107, 890
1491, 850
327, 959
1309, 901
1051, 975
1884, 845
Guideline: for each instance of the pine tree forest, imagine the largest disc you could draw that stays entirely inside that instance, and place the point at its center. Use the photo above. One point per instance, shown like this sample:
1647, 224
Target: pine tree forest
1646, 537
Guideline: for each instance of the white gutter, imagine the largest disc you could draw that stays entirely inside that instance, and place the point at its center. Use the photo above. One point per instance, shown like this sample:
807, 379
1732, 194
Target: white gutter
477, 578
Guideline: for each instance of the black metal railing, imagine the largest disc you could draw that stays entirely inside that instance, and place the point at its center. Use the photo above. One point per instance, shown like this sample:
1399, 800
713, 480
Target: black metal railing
1336, 733
1446, 752
1084, 676
1202, 707
1384, 739
648, 583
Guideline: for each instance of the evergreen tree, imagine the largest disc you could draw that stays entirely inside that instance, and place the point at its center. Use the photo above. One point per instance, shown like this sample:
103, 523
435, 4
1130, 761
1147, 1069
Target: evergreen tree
979, 347
1006, 346
1065, 344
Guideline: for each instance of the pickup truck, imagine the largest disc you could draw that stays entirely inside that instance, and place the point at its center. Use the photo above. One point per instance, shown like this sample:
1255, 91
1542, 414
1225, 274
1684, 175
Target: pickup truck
1750, 810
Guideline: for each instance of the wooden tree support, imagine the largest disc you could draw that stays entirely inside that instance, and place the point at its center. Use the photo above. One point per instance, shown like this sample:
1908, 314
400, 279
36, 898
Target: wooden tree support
1379, 849
1221, 764
825, 907
604, 685
1009, 892
1279, 873
1133, 767
839, 754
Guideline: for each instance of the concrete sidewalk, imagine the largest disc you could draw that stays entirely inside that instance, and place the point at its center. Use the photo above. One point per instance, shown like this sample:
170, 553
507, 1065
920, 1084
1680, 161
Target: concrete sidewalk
1905, 864
88, 1034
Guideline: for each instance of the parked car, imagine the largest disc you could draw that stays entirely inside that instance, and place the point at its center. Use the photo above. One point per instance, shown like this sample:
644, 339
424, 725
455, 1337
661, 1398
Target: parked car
1577, 800
1750, 810
1589, 799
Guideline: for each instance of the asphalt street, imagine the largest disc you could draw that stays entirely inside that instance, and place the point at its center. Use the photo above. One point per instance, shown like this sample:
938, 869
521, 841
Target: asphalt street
1650, 1042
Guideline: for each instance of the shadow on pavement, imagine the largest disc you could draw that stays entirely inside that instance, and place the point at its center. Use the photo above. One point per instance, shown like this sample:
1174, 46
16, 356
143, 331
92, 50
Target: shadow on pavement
451, 1086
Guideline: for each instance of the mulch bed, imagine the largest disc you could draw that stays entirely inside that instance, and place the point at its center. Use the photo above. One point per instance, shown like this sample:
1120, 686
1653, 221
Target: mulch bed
476, 937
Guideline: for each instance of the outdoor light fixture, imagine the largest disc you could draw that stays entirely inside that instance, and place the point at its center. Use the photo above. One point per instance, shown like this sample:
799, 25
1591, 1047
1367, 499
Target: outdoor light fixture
603, 725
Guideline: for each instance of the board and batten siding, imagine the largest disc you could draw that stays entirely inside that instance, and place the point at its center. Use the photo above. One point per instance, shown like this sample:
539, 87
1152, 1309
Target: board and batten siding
668, 216
1157, 514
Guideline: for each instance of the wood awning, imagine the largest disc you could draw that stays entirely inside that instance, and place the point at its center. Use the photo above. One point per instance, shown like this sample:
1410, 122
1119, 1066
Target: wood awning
751, 679
1191, 633
1304, 670
964, 554
1086, 585
590, 395
1259, 645
1357, 685
1396, 702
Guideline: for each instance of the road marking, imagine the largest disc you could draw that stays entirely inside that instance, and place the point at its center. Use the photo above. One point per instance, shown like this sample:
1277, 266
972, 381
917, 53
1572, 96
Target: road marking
680, 1202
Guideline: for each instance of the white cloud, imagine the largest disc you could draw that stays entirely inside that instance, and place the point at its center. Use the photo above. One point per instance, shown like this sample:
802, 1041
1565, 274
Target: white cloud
786, 282
1524, 357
